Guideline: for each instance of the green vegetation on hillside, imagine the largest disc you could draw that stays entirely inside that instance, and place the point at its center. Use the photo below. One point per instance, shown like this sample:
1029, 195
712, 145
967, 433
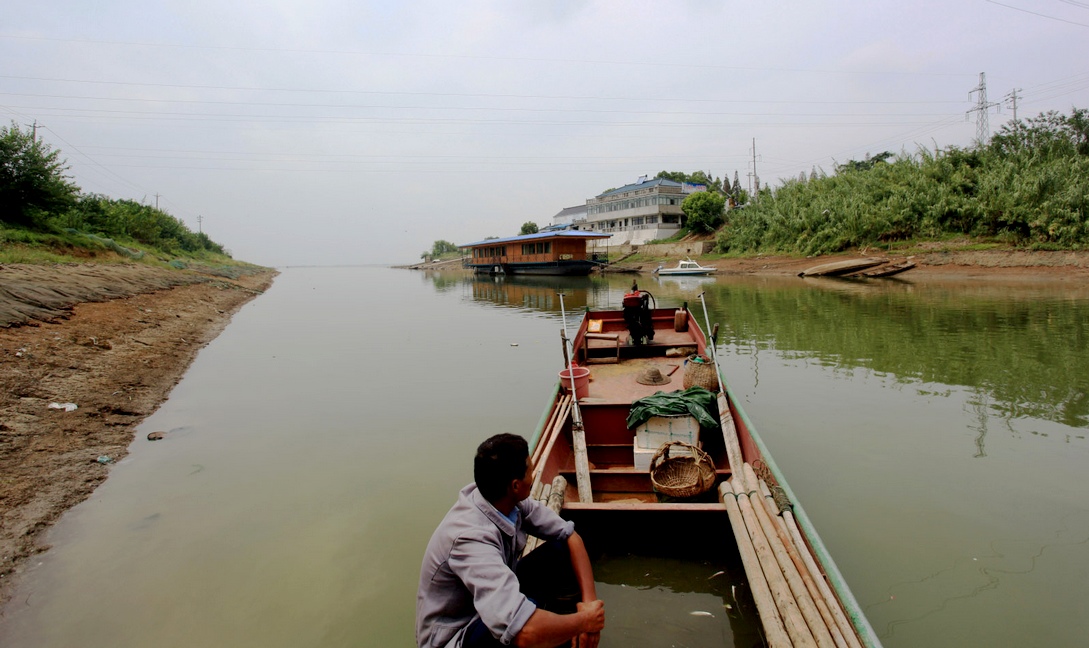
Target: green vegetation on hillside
1029, 186
44, 216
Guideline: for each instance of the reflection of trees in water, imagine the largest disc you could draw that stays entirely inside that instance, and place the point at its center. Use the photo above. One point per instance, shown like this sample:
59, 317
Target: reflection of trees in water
1024, 350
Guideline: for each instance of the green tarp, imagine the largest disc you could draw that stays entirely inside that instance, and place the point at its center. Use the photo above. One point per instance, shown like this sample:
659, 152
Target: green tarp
696, 401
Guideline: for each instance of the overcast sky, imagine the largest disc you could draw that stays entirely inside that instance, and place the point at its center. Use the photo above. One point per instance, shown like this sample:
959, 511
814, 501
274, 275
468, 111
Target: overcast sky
350, 132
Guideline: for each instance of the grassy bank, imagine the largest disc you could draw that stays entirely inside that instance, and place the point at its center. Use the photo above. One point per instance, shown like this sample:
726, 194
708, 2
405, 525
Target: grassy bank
25, 245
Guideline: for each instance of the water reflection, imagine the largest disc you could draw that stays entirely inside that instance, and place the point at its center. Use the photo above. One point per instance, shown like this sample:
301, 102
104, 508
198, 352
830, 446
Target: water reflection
1022, 348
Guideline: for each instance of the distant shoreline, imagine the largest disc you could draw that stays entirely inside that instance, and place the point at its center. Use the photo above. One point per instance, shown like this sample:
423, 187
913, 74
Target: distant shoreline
933, 262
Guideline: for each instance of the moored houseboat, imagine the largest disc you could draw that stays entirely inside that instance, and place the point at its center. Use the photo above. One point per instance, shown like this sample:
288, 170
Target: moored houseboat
545, 253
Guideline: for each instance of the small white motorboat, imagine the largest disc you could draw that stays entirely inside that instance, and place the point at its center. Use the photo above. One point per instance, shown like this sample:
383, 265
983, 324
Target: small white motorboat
686, 267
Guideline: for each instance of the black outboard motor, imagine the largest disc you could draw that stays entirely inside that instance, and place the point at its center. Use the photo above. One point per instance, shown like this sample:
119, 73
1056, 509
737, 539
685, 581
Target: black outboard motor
636, 307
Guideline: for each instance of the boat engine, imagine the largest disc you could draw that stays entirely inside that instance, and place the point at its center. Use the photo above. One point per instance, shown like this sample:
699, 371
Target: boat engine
637, 316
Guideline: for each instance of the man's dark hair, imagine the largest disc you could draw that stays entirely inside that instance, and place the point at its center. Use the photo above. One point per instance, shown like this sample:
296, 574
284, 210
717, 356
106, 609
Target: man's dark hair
499, 461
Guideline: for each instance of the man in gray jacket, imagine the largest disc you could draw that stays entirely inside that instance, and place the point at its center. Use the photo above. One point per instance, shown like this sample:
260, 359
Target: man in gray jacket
475, 592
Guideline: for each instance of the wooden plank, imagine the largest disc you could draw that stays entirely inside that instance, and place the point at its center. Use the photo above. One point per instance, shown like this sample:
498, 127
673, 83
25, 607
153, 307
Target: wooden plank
676, 507
582, 464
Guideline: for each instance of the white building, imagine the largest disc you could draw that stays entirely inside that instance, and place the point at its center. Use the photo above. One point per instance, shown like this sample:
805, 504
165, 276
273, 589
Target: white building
570, 215
638, 213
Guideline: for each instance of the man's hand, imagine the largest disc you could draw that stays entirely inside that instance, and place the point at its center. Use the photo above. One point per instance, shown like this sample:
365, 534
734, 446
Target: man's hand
594, 614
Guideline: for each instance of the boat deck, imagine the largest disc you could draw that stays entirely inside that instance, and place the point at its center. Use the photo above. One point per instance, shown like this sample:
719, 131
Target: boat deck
615, 364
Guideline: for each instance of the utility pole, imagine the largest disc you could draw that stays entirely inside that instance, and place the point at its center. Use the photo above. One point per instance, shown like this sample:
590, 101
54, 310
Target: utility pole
33, 131
982, 128
157, 194
1012, 98
200, 220
755, 177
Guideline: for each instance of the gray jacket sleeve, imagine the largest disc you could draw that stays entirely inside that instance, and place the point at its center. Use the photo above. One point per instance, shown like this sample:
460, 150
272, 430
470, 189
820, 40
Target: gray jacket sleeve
478, 562
541, 521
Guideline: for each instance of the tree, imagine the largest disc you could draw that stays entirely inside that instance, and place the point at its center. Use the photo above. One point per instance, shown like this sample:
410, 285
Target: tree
529, 227
735, 191
698, 177
33, 184
703, 211
865, 165
440, 247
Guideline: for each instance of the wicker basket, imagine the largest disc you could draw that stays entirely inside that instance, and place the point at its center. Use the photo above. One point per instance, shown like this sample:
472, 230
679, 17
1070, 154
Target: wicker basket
687, 473
700, 373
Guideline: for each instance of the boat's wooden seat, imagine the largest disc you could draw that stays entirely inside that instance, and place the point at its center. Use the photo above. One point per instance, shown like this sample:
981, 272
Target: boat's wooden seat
610, 340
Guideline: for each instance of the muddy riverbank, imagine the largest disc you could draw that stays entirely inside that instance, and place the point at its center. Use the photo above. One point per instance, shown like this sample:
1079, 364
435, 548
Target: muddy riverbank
110, 340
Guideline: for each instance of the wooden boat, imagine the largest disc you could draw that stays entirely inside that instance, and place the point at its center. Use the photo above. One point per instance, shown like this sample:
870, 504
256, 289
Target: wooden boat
839, 268
585, 466
886, 270
686, 267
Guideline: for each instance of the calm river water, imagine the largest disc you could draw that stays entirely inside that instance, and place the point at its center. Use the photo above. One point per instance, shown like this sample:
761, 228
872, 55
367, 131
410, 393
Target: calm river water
935, 433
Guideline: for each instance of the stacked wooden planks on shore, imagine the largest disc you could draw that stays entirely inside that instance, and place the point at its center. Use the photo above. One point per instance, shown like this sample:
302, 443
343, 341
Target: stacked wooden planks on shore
796, 604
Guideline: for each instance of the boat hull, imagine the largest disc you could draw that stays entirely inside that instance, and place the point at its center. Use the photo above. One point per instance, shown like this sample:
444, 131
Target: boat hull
667, 272
555, 268
838, 268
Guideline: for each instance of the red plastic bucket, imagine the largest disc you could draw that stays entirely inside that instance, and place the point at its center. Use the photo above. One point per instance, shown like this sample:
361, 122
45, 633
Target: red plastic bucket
582, 381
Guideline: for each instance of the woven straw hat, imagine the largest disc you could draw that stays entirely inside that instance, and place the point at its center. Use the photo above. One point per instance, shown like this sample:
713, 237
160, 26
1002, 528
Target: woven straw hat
652, 377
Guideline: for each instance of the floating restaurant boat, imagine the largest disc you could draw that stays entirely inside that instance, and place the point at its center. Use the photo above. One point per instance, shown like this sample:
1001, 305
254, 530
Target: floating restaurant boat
619, 482
560, 252
686, 267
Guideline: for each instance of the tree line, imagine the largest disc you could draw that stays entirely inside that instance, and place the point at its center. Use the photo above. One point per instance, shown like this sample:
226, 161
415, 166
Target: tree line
37, 195
1027, 186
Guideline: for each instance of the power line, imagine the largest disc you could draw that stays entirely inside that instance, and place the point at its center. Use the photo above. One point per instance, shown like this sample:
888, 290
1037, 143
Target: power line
475, 95
1069, 22
481, 57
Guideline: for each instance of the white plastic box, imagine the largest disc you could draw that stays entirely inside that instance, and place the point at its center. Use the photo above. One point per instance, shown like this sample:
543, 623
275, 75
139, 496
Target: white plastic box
643, 457
664, 429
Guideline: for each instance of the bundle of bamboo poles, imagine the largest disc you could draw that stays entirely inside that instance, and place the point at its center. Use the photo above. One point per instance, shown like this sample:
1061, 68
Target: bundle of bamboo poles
796, 604
551, 495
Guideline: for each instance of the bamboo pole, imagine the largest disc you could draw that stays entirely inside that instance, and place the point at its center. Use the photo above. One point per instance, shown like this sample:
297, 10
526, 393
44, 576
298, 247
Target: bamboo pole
774, 631
552, 496
813, 580
533, 541
847, 629
733, 446
559, 492
539, 448
795, 623
791, 572
551, 434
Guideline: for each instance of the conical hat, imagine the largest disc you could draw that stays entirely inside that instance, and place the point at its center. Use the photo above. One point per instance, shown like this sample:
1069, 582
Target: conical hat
652, 377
